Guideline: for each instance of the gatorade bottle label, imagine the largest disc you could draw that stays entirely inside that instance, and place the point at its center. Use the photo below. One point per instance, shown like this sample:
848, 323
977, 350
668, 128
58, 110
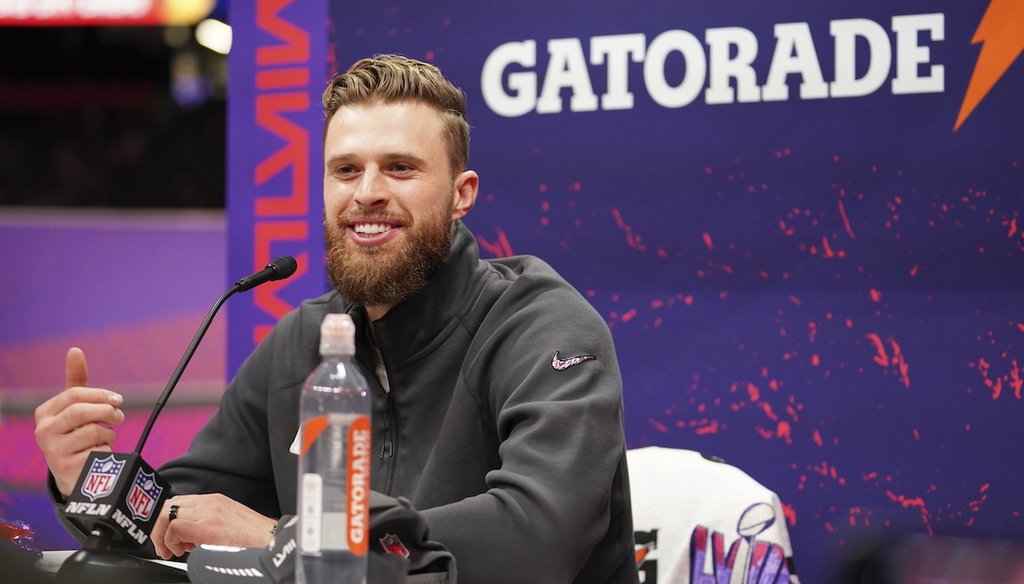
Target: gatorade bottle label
358, 528
335, 513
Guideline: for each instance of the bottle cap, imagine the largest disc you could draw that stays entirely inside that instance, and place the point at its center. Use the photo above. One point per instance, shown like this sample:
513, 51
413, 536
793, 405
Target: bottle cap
337, 335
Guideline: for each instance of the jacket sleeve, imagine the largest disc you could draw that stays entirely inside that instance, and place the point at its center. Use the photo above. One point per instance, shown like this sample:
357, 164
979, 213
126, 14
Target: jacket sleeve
549, 384
59, 503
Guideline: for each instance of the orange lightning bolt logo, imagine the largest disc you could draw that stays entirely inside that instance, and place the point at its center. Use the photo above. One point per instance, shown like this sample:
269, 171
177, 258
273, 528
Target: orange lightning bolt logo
1001, 32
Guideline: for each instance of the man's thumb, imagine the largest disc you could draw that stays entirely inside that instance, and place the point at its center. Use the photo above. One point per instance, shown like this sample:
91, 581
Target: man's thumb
76, 371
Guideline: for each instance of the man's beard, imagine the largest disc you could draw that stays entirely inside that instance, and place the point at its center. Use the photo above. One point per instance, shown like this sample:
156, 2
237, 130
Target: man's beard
368, 276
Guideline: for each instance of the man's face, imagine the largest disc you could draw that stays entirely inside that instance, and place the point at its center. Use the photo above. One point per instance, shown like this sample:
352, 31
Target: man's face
389, 200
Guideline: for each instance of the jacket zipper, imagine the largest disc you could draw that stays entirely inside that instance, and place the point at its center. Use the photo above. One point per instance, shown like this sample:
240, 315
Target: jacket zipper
388, 448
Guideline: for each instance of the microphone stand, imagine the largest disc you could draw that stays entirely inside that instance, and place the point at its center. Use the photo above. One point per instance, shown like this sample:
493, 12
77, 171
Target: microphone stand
173, 381
97, 562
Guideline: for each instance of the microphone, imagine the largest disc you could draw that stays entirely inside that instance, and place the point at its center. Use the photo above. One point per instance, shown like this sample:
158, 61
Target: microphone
117, 494
279, 269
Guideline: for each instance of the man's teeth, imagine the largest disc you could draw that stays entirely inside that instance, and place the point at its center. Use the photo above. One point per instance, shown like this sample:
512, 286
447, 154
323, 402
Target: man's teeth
371, 228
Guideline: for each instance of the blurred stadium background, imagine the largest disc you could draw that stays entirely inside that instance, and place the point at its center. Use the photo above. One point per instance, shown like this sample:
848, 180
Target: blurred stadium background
112, 194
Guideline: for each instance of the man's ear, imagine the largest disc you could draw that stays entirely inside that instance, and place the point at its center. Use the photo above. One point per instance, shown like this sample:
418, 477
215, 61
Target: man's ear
467, 184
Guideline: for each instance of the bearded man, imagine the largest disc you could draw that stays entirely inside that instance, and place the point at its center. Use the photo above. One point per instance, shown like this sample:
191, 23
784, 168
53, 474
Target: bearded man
497, 398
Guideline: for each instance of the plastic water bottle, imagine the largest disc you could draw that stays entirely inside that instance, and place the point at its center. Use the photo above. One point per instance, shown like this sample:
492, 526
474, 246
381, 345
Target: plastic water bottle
334, 463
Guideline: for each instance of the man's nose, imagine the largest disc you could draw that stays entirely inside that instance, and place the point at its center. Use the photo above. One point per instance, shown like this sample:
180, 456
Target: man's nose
372, 190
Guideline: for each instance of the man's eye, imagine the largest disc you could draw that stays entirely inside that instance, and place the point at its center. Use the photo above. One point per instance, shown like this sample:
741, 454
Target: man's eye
401, 167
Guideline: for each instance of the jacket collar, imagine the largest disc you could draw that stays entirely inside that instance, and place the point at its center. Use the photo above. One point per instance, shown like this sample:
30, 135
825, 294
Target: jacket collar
415, 326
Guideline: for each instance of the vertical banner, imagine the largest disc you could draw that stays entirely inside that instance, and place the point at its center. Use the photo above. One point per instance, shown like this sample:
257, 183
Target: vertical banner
278, 68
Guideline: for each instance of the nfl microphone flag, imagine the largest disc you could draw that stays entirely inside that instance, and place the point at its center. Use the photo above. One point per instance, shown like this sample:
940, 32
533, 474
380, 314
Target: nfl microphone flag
120, 492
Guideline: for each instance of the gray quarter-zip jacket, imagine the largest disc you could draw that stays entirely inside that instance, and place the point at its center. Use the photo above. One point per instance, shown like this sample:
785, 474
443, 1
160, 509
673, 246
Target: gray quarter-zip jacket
512, 449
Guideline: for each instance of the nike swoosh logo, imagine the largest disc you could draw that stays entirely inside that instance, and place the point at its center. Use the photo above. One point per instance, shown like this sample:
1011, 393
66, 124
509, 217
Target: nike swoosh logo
563, 364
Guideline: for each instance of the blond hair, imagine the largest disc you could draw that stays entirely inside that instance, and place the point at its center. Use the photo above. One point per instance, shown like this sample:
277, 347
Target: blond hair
394, 78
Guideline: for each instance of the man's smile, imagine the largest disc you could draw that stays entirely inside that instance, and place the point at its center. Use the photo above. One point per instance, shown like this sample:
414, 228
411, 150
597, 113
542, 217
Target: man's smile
370, 233
371, 228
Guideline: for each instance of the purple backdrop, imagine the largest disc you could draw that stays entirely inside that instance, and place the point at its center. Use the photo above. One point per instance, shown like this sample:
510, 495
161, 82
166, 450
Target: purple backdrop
821, 287
817, 279
129, 288
823, 290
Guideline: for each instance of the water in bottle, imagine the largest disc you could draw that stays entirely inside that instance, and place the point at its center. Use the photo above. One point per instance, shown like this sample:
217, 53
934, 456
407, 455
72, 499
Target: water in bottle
334, 463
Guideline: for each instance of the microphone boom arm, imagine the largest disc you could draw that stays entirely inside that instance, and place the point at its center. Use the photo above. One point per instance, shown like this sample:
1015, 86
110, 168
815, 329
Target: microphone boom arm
279, 269
173, 381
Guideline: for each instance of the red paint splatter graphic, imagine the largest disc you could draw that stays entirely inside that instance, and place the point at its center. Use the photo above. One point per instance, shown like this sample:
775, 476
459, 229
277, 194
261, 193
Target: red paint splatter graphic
1012, 378
632, 240
827, 471
501, 248
710, 428
897, 362
783, 431
846, 220
753, 392
658, 426
804, 307
826, 250
790, 514
707, 241
916, 502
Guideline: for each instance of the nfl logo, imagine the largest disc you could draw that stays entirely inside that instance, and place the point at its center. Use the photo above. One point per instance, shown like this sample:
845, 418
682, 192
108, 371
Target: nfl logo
143, 496
102, 477
394, 546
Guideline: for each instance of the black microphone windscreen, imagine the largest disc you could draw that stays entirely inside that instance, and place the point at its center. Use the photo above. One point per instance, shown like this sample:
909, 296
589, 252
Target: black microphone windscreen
284, 267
